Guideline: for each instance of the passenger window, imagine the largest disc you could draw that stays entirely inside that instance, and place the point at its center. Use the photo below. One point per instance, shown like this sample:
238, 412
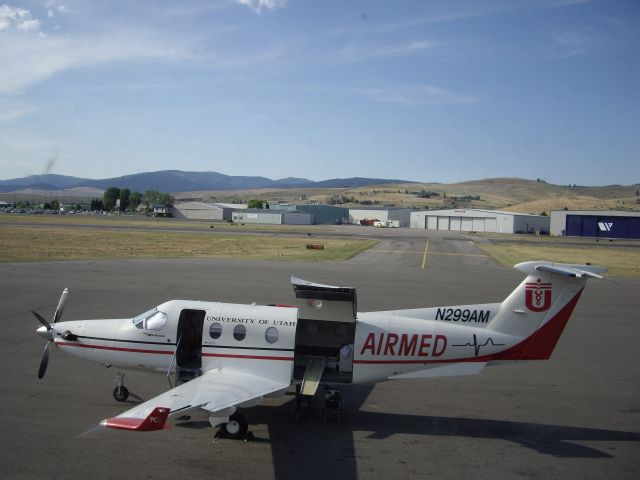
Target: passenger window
215, 330
271, 335
239, 332
156, 321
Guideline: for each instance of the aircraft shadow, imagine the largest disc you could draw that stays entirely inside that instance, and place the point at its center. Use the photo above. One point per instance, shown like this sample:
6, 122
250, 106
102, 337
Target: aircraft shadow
321, 450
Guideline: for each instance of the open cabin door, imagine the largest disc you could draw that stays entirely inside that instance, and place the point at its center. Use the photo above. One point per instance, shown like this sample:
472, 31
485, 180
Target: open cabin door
325, 333
189, 345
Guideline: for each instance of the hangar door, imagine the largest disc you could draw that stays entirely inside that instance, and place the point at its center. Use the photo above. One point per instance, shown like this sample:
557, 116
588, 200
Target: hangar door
603, 226
432, 223
455, 223
490, 224
443, 223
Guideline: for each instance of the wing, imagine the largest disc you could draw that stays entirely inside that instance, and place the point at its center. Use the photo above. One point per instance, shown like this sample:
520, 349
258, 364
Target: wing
213, 391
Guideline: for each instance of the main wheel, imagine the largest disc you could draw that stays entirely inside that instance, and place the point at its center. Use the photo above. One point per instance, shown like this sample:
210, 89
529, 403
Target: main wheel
237, 426
121, 393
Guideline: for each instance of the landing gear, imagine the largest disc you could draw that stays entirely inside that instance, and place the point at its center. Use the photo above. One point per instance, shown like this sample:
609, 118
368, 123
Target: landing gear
120, 393
237, 427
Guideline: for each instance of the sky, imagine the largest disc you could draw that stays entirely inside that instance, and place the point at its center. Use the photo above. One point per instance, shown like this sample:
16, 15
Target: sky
428, 91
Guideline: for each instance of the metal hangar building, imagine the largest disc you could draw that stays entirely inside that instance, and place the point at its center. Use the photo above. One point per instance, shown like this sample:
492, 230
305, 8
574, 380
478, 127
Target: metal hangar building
475, 220
205, 210
272, 217
383, 214
595, 223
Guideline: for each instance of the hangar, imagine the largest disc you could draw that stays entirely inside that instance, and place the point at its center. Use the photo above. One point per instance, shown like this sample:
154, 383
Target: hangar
475, 220
383, 214
322, 214
205, 210
272, 217
595, 223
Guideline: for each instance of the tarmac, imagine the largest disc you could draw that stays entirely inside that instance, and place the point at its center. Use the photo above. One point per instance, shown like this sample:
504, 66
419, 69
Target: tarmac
574, 416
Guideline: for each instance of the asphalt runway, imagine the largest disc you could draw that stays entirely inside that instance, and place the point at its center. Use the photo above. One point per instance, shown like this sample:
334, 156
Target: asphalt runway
575, 416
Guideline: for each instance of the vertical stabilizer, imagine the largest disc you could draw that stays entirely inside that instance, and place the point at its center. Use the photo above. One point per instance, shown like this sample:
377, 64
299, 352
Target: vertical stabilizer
539, 308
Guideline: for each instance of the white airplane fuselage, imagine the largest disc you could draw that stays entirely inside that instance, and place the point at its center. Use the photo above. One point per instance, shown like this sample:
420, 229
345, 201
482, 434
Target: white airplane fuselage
387, 344
226, 356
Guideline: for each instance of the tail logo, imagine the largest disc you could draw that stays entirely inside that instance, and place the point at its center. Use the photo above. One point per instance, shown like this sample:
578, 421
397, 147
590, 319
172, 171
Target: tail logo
538, 296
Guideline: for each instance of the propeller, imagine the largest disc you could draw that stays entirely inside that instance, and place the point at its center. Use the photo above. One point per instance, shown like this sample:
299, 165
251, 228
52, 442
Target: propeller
47, 331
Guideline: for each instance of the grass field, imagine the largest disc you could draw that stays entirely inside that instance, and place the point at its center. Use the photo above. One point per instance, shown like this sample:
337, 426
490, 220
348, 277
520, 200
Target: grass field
621, 262
28, 244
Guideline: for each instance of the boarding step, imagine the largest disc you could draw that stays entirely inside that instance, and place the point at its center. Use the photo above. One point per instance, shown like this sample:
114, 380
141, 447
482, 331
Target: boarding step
312, 375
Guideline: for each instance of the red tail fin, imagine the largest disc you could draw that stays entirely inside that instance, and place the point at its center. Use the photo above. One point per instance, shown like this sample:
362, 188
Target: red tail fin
541, 343
156, 420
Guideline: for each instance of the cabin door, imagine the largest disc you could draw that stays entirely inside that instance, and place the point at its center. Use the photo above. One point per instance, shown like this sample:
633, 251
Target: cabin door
189, 349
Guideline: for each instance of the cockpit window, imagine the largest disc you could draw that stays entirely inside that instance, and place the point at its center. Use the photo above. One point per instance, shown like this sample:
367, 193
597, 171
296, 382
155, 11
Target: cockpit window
151, 320
156, 321
138, 320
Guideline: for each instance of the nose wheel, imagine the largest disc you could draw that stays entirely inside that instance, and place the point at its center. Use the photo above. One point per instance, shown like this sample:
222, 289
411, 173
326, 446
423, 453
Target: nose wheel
120, 393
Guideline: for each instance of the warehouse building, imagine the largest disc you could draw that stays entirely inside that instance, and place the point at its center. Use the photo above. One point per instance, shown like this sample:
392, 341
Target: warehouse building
272, 217
382, 214
595, 223
322, 214
475, 220
205, 210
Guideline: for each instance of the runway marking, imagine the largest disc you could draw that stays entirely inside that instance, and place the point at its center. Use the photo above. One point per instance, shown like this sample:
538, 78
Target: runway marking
430, 253
424, 257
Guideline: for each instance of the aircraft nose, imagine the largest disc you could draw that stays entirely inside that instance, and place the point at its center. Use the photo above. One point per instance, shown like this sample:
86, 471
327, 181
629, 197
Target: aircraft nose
44, 332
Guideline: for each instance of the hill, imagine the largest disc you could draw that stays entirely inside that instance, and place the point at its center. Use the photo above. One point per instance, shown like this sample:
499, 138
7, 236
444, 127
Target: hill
511, 194
180, 181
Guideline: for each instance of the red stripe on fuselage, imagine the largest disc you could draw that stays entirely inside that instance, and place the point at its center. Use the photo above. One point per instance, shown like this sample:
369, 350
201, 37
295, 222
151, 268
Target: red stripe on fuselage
251, 357
165, 352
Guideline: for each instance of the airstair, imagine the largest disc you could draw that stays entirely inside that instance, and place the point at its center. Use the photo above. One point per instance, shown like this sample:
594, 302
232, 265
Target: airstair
312, 375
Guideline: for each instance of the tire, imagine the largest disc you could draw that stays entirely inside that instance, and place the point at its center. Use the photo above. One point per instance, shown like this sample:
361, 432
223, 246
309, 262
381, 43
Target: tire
121, 394
237, 426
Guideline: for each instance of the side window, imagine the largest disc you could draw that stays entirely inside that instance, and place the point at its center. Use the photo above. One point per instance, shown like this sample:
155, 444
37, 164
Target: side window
215, 330
156, 321
271, 335
239, 332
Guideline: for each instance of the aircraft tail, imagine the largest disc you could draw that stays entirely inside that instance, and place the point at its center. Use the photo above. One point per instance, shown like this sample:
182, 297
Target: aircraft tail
540, 307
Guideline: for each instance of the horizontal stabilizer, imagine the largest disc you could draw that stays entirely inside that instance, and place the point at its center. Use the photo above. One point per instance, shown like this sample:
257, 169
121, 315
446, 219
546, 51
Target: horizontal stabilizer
566, 269
156, 420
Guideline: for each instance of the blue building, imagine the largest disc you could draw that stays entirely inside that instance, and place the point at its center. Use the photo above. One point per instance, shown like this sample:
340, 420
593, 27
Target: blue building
595, 223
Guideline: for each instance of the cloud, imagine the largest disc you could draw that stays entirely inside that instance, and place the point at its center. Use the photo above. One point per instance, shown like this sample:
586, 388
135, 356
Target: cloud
402, 95
571, 44
17, 17
365, 53
258, 5
10, 111
28, 59
414, 95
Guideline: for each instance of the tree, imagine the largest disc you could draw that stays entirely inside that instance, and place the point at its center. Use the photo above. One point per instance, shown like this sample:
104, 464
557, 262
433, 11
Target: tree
55, 205
135, 199
97, 205
255, 203
110, 196
124, 199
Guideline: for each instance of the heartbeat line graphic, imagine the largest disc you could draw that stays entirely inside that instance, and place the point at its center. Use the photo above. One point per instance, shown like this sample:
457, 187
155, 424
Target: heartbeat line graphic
476, 346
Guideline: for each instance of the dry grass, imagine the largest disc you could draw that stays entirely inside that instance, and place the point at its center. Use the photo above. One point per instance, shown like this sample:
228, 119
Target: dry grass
511, 194
621, 262
27, 244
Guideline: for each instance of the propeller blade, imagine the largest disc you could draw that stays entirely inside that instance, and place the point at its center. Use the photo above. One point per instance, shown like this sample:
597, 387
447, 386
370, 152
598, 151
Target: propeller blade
61, 303
41, 319
44, 362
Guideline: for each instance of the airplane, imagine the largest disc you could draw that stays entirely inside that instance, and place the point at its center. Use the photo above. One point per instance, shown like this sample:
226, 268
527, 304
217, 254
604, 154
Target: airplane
226, 357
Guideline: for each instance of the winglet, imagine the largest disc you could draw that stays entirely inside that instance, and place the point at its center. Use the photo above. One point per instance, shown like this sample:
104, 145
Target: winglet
156, 420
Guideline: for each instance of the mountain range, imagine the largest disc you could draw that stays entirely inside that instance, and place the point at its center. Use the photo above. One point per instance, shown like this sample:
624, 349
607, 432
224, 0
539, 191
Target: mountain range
178, 181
